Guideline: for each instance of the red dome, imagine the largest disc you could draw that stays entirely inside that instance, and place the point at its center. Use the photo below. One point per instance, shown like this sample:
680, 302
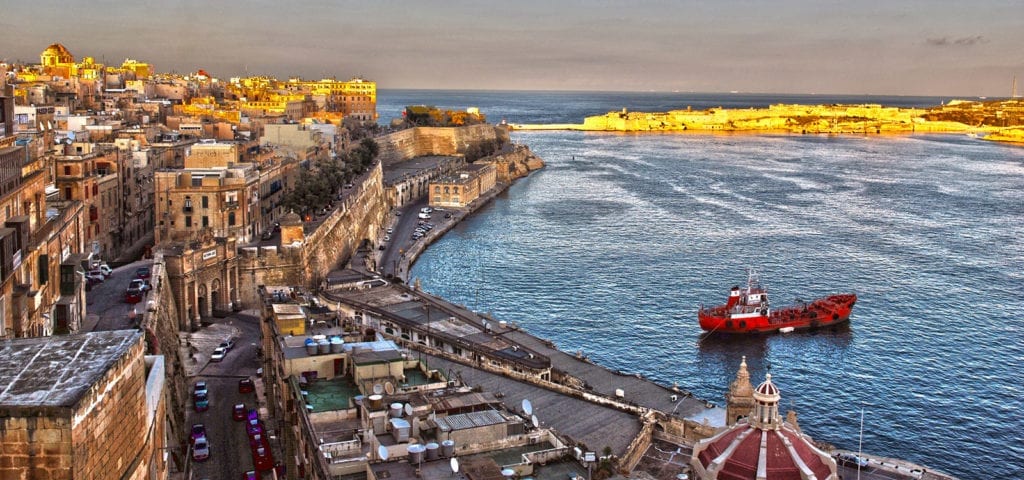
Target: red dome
736, 454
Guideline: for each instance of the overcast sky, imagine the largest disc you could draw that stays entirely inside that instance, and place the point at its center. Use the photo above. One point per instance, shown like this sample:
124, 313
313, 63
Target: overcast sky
919, 47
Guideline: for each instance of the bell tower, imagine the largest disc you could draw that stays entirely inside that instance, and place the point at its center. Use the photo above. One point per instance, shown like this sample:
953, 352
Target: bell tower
739, 402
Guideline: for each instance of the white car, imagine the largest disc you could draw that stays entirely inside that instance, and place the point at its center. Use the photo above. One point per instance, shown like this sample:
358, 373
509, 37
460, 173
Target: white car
425, 216
107, 271
218, 354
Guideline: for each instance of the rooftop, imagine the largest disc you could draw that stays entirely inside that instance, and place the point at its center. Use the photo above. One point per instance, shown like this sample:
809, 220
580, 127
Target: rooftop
57, 371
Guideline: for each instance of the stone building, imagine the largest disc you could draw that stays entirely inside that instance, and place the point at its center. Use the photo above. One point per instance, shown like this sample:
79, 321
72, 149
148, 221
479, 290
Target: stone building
210, 195
88, 173
761, 446
356, 98
203, 276
83, 406
36, 237
464, 187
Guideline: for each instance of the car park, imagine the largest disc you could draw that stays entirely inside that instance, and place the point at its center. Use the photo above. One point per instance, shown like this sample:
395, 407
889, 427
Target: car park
218, 354
201, 450
238, 412
246, 385
198, 431
143, 273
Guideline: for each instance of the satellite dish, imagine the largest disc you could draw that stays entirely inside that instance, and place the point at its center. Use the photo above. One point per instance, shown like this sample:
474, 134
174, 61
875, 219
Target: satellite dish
71, 136
508, 472
389, 388
382, 452
378, 389
533, 420
455, 464
68, 141
527, 406
408, 409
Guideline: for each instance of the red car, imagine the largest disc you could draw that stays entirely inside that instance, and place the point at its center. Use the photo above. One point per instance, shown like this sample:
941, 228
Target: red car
246, 385
238, 413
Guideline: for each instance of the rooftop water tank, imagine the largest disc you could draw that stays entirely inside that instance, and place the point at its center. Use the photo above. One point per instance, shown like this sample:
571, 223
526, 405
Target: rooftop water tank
400, 429
432, 451
325, 345
447, 448
396, 410
336, 344
416, 453
311, 347
375, 401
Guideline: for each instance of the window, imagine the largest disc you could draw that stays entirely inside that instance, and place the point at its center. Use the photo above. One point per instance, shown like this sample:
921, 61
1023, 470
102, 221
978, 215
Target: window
206, 220
188, 222
231, 219
206, 201
67, 193
437, 189
67, 170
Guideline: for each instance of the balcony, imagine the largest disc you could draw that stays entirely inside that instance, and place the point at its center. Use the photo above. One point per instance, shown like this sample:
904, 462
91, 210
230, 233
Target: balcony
186, 209
230, 205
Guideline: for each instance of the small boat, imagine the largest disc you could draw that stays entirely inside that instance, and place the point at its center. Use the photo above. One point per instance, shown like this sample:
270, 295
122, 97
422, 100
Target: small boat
748, 311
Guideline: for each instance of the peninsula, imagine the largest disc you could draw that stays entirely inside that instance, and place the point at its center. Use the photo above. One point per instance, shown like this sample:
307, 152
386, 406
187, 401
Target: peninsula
996, 120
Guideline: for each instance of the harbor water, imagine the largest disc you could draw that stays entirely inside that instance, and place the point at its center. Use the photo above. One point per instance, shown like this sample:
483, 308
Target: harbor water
611, 249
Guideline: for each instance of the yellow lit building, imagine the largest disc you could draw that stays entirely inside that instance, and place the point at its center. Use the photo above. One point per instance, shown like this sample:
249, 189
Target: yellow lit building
464, 187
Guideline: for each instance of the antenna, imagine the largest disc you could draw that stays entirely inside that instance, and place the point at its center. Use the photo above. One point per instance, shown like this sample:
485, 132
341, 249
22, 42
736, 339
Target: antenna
527, 406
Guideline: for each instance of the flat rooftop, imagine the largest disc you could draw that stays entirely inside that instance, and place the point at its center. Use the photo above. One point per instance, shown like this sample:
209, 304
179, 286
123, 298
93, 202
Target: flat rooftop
337, 393
396, 171
57, 371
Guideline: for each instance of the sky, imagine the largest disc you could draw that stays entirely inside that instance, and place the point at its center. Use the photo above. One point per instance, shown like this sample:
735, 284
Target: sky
915, 47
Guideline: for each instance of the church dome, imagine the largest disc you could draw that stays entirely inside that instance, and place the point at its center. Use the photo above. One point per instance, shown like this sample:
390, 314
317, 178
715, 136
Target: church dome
56, 54
762, 446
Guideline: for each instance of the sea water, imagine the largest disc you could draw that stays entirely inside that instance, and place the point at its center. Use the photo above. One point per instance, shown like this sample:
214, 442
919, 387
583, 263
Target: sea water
611, 249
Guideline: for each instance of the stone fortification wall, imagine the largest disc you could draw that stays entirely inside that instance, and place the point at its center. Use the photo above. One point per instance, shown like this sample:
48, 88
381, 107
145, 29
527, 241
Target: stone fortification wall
514, 164
161, 322
420, 141
328, 245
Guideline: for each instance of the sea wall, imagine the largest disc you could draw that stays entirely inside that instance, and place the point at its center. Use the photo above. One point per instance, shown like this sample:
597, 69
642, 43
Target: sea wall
514, 164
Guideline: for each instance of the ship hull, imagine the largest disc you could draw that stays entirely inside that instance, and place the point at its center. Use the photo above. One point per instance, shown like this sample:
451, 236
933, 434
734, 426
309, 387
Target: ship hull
821, 313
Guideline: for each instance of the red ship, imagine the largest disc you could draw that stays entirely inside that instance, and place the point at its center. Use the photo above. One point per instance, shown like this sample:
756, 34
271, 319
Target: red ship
748, 311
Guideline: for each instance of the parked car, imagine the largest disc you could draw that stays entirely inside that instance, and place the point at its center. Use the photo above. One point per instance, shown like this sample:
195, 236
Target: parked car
198, 431
143, 273
133, 295
200, 387
246, 385
103, 267
238, 412
94, 277
201, 450
218, 354
425, 216
201, 401
390, 231
227, 344
140, 284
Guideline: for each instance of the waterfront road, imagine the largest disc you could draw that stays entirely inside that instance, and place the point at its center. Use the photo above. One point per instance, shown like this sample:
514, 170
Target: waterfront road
229, 444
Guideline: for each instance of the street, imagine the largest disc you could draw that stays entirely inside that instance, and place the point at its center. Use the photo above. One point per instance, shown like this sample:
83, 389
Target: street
230, 455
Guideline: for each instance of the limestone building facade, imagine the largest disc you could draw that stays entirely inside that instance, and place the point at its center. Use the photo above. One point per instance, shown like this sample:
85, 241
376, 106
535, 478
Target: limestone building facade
82, 406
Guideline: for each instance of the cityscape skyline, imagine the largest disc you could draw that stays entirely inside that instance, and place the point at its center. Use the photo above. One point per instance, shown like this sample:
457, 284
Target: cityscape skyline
795, 46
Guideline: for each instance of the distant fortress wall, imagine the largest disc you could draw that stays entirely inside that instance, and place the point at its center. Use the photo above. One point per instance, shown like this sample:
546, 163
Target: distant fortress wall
421, 141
